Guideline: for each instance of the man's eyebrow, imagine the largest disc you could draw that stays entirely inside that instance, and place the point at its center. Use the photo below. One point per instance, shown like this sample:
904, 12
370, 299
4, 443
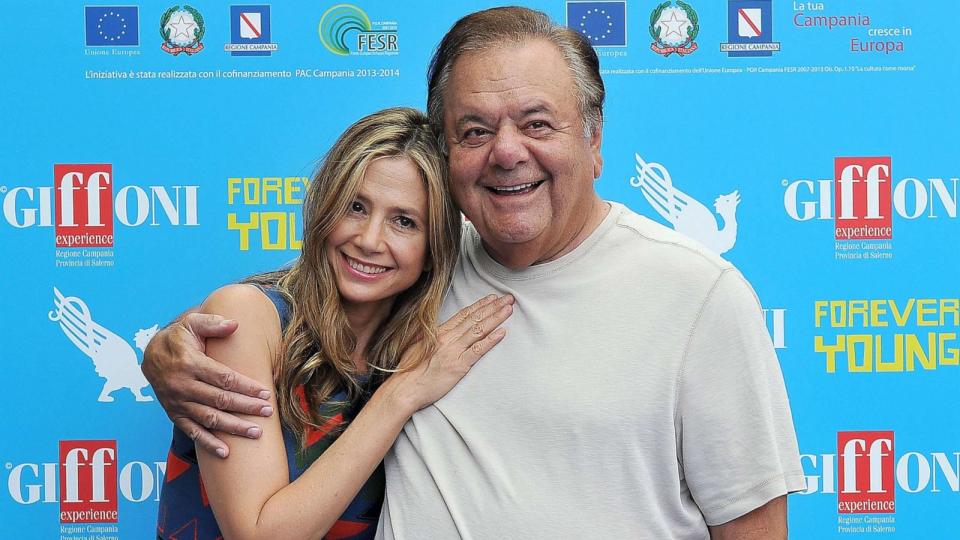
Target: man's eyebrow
536, 108
469, 119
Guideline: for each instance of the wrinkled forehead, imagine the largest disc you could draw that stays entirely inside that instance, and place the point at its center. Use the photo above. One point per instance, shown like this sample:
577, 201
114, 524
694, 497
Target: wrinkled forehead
508, 49
528, 70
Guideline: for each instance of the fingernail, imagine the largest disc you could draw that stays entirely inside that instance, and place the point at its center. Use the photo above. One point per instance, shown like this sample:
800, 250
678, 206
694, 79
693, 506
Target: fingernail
264, 394
221, 452
500, 332
253, 432
266, 410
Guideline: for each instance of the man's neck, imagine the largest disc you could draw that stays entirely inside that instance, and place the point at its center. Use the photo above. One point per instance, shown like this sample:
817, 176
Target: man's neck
520, 256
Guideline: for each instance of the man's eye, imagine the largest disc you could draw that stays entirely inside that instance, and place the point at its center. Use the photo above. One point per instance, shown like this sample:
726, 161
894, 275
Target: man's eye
474, 136
538, 125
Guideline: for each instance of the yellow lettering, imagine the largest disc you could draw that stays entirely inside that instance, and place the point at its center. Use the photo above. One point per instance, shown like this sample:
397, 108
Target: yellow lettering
244, 228
830, 350
853, 363
897, 364
291, 188
877, 309
901, 318
950, 306
926, 306
857, 307
280, 218
927, 357
295, 243
232, 189
272, 185
949, 356
838, 313
251, 191
820, 311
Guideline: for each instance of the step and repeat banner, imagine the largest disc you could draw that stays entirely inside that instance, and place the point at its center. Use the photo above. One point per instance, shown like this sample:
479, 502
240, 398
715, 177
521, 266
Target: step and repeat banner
155, 151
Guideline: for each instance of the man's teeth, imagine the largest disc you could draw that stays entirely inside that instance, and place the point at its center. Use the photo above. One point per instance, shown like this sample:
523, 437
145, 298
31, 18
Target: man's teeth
366, 269
514, 189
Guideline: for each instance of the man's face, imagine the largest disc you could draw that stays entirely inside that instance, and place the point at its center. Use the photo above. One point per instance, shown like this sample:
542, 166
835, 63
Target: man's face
520, 167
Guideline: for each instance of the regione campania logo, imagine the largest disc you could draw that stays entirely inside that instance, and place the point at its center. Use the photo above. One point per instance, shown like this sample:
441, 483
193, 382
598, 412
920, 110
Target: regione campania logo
749, 29
250, 31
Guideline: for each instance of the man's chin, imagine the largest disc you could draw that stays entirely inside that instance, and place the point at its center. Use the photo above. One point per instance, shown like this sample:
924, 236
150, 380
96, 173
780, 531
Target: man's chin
513, 246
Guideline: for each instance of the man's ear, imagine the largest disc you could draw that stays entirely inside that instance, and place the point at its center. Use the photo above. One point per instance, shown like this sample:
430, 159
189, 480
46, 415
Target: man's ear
595, 139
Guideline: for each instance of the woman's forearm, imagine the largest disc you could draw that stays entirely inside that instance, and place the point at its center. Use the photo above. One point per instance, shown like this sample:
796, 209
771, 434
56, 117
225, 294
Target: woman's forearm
311, 505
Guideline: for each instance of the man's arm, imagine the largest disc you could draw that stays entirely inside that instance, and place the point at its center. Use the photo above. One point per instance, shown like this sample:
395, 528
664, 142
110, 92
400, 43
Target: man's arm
197, 392
769, 522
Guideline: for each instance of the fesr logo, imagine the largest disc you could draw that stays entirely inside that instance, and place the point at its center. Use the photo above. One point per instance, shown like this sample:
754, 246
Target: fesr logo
91, 481
84, 201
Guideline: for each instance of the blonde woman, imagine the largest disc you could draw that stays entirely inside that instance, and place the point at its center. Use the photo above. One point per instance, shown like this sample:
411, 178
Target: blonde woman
346, 340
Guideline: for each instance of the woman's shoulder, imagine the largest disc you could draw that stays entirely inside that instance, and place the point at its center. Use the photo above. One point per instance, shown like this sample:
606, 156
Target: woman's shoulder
248, 305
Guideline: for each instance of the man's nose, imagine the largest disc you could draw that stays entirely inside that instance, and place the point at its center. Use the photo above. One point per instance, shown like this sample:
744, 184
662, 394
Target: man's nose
509, 148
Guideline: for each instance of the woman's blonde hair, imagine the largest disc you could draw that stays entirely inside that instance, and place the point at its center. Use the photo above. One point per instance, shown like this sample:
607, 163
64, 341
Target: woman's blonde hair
315, 352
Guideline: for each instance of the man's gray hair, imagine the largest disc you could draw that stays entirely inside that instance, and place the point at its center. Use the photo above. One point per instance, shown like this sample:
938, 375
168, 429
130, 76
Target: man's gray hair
507, 25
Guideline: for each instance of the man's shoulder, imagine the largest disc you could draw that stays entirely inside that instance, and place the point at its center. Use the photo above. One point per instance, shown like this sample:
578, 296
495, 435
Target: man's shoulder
648, 240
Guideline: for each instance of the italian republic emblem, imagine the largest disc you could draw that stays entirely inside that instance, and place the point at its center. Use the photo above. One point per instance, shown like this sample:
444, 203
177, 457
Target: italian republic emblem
674, 28
182, 30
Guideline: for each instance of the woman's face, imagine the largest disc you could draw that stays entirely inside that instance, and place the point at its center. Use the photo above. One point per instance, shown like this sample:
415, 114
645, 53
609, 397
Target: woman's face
379, 248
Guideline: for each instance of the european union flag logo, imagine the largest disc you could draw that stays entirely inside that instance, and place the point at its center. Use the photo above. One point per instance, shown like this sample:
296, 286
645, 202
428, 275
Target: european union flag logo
112, 26
604, 24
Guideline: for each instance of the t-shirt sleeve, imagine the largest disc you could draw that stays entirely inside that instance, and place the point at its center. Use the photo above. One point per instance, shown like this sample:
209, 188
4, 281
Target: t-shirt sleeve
738, 448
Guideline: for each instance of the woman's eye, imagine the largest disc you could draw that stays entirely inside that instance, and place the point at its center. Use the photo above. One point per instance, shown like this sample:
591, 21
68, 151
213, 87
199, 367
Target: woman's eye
356, 206
405, 222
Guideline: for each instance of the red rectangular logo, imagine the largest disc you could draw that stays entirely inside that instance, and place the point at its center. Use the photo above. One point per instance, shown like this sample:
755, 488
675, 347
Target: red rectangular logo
862, 190
84, 205
88, 481
866, 483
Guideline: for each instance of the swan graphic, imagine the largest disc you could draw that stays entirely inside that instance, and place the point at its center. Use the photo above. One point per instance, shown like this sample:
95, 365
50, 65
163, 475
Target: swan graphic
113, 358
686, 214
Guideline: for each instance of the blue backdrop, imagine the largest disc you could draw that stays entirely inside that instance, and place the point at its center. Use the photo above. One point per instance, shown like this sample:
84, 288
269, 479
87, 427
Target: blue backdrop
814, 144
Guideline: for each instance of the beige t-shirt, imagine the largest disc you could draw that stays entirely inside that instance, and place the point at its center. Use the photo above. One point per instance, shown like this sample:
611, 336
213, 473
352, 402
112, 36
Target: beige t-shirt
636, 395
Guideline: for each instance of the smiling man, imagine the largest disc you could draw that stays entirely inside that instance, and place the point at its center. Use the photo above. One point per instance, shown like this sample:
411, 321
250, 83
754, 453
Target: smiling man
638, 395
